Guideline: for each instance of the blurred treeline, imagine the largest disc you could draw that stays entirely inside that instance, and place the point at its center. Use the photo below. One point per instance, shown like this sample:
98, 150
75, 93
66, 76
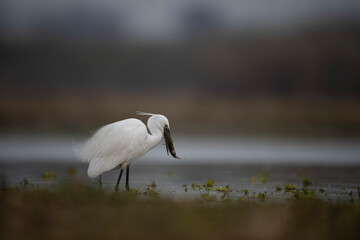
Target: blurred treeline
301, 82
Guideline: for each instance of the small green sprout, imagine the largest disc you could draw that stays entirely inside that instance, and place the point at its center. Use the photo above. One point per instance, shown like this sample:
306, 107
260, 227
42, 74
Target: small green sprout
246, 191
184, 185
260, 195
222, 189
304, 194
350, 193
289, 187
210, 183
306, 182
278, 188
343, 188
48, 175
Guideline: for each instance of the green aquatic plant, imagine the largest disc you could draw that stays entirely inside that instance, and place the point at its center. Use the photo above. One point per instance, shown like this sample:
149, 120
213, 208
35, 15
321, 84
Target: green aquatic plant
210, 183
304, 194
195, 186
208, 186
289, 187
278, 188
321, 190
260, 195
222, 189
306, 182
48, 175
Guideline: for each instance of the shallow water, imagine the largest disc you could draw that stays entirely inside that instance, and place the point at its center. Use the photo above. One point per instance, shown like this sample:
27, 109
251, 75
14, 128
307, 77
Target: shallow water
331, 165
212, 149
336, 181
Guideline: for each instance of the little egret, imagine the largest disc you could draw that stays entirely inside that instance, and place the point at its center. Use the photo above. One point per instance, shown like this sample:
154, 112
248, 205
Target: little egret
119, 144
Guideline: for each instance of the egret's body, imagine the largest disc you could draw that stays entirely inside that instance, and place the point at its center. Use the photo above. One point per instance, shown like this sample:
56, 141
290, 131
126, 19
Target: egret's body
120, 144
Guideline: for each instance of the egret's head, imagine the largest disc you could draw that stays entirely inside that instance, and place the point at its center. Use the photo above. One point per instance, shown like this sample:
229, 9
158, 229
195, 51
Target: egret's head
157, 121
160, 122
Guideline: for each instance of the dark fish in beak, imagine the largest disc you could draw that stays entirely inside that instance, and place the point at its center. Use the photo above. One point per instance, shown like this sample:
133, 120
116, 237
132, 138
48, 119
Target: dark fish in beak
169, 144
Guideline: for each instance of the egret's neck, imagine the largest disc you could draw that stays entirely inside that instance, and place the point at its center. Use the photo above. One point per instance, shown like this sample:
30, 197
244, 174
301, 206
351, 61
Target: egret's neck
154, 138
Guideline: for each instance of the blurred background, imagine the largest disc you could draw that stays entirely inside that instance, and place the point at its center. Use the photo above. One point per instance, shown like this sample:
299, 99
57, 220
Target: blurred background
237, 79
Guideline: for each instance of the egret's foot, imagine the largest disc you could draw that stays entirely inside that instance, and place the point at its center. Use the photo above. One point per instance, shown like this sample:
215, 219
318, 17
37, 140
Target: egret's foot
127, 187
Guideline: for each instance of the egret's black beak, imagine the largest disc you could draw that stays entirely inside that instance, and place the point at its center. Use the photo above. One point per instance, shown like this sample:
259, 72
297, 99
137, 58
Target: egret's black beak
167, 129
169, 143
168, 140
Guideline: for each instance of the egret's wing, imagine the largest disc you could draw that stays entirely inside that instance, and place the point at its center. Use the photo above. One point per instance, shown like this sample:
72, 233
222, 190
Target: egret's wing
113, 145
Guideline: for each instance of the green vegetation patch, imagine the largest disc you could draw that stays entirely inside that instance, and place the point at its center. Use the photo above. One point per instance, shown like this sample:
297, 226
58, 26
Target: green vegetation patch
222, 189
289, 187
210, 183
48, 175
306, 182
76, 210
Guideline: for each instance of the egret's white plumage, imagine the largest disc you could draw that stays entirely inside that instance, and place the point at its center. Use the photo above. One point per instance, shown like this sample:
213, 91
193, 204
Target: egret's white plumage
119, 144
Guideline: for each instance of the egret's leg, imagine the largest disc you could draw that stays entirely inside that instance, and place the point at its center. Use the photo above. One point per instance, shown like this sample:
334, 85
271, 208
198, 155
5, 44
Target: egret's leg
100, 183
118, 181
127, 179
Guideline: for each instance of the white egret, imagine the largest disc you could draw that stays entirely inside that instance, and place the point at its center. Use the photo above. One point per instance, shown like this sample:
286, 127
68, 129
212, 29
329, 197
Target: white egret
119, 144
